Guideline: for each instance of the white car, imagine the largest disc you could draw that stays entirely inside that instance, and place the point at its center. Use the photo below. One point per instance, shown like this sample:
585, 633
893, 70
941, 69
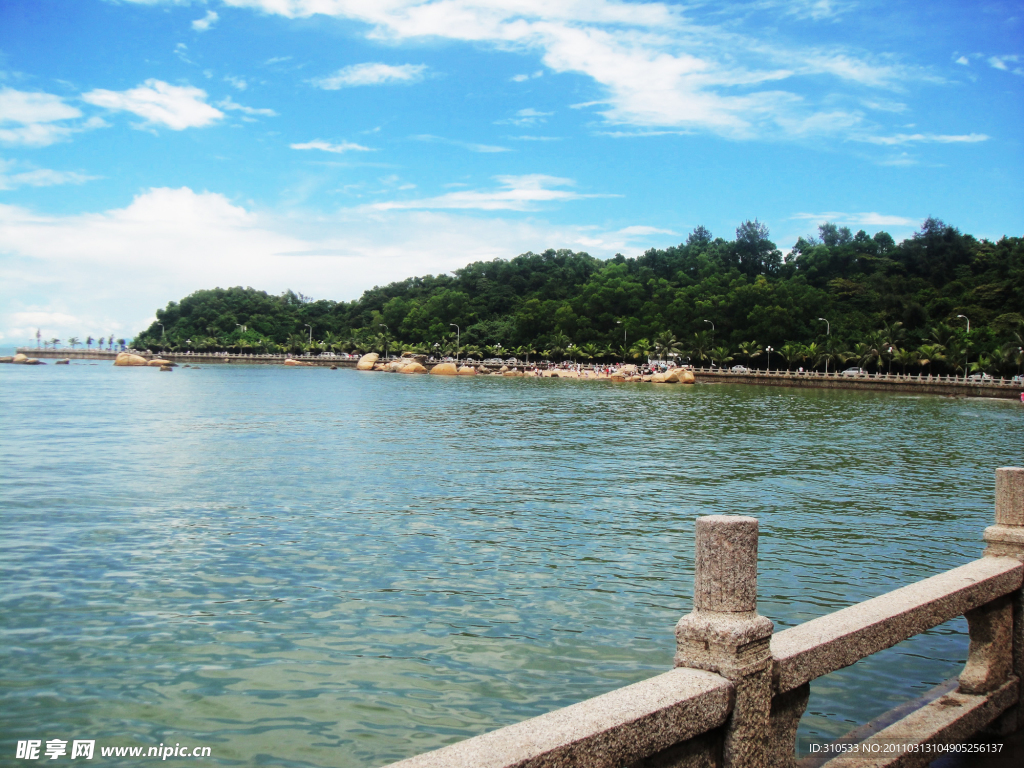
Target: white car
854, 372
740, 369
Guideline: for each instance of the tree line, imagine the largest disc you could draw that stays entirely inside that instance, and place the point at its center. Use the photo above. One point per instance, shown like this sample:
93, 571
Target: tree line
940, 301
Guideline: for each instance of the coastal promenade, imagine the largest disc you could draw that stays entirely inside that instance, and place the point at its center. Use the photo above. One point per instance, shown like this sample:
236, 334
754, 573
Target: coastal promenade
948, 386
739, 689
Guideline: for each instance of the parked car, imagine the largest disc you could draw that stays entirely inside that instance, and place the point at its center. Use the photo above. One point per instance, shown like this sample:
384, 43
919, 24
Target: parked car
854, 372
979, 377
740, 369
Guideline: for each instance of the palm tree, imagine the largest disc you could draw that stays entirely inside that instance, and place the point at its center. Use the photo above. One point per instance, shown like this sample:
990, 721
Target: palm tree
748, 350
721, 356
942, 334
295, 342
560, 344
984, 364
701, 345
110, 342
121, 343
640, 349
930, 353
54, 342
589, 351
956, 355
88, 342
892, 334
792, 352
905, 357
666, 344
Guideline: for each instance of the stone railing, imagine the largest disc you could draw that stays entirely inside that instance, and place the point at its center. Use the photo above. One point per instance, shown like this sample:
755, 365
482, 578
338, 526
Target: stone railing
738, 691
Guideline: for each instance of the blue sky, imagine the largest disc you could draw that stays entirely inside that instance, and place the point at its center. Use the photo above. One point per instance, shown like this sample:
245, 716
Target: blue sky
150, 148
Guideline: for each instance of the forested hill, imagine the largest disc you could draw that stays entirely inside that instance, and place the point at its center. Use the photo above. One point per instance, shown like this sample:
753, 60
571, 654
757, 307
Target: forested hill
709, 299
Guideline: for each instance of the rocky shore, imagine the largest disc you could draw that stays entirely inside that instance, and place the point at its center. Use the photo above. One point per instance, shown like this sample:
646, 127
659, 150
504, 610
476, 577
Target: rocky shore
417, 364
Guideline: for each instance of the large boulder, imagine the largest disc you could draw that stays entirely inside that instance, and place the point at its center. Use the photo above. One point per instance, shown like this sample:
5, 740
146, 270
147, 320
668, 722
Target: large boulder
158, 362
290, 361
127, 358
413, 367
19, 358
660, 378
7, 359
445, 369
679, 376
410, 357
65, 361
366, 362
467, 370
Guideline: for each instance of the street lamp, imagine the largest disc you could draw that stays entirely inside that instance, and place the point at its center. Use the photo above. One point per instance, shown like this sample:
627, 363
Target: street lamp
437, 350
769, 350
458, 343
310, 333
967, 352
386, 329
890, 363
828, 332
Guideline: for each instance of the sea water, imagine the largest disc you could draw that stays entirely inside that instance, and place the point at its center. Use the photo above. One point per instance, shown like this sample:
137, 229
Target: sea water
305, 567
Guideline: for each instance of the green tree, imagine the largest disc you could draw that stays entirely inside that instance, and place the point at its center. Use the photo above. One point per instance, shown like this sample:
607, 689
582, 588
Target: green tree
721, 356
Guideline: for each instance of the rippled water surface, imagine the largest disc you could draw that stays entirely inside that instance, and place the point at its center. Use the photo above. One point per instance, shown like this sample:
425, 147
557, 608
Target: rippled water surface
307, 567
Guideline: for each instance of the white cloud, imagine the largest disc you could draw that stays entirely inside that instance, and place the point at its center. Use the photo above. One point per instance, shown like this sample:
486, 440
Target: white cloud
656, 66
915, 138
1003, 63
35, 119
236, 82
528, 116
203, 24
482, 148
371, 74
643, 230
964, 61
516, 193
345, 146
176, 106
858, 219
228, 104
37, 177
524, 78
170, 242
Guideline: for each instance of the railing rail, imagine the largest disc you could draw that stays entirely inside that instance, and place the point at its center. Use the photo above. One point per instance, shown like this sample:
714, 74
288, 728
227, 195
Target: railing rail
738, 692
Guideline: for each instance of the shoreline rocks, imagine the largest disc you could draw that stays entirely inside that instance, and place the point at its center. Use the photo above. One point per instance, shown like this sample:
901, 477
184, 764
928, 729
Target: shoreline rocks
124, 359
366, 362
444, 369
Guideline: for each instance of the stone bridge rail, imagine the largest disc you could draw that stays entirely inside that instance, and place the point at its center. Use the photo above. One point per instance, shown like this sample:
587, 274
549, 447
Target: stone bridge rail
738, 691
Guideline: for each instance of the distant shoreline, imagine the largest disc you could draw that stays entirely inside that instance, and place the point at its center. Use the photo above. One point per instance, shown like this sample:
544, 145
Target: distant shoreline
938, 385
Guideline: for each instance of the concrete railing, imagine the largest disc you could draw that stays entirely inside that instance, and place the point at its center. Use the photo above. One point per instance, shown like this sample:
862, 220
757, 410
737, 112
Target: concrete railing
738, 691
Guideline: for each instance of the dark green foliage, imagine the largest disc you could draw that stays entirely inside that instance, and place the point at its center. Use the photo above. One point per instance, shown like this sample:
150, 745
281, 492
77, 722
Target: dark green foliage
861, 283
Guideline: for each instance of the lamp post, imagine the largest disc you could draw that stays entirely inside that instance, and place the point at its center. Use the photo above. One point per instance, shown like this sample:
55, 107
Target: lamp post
887, 375
310, 333
458, 343
712, 332
769, 350
967, 351
386, 329
828, 332
437, 349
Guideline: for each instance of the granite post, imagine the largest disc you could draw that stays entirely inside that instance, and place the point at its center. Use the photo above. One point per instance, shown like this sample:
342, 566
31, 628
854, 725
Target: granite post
1004, 539
725, 634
